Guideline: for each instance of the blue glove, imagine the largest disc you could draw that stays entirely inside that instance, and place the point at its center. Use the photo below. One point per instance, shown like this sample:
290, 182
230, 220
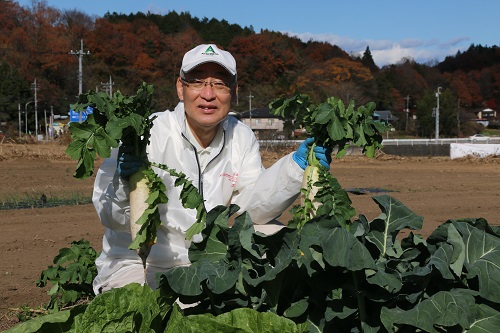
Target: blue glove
128, 164
324, 155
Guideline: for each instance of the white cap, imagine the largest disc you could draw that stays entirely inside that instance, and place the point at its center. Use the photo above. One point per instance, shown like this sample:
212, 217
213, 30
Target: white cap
208, 53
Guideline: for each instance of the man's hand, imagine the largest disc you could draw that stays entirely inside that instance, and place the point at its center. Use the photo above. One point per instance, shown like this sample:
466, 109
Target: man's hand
324, 155
128, 164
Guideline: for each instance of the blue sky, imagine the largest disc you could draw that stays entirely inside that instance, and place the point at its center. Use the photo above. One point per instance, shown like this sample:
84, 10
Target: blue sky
425, 30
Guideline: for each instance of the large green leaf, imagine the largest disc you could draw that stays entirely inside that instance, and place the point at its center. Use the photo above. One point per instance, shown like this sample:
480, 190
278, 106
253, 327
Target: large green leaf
386, 278
279, 256
214, 245
211, 265
482, 258
339, 246
240, 236
85, 164
487, 320
444, 309
395, 217
185, 280
133, 308
323, 113
218, 277
236, 321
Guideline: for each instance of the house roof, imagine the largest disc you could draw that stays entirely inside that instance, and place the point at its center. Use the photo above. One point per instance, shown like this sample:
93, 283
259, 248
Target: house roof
384, 115
266, 113
258, 113
484, 110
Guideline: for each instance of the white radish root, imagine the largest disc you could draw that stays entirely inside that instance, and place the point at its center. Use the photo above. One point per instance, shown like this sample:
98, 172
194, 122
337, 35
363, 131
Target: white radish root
311, 176
139, 193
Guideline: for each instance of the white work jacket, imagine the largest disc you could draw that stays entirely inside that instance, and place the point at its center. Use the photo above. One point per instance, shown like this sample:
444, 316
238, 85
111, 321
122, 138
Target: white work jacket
233, 175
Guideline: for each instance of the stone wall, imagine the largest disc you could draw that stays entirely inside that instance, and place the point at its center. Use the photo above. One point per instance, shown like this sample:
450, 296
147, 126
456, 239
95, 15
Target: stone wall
418, 150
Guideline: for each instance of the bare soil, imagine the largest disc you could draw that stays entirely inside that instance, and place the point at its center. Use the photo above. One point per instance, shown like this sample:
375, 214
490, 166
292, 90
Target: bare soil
436, 188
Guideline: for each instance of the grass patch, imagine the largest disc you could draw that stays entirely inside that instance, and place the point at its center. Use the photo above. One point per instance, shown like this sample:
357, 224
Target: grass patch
491, 132
41, 200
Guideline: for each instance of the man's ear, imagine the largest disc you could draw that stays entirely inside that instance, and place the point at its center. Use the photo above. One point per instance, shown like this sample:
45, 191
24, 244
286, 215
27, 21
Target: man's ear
180, 90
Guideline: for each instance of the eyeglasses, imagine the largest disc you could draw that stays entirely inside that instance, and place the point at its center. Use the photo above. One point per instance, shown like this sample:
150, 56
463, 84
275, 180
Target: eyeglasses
218, 86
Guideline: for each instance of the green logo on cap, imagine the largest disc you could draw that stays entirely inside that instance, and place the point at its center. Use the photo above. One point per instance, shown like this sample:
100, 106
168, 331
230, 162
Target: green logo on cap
209, 50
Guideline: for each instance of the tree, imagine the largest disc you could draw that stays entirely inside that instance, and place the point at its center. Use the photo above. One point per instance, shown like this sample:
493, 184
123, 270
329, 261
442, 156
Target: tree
264, 58
367, 60
426, 107
13, 90
335, 77
465, 88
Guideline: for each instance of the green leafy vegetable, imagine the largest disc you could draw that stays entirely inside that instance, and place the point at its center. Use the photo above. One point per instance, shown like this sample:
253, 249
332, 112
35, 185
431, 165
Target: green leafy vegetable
332, 125
322, 277
114, 119
125, 119
71, 276
190, 198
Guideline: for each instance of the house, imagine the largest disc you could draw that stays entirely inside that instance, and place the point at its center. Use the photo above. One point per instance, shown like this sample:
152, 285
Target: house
266, 125
485, 113
484, 116
385, 116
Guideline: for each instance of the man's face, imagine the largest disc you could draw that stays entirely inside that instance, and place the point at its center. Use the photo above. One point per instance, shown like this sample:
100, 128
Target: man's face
207, 107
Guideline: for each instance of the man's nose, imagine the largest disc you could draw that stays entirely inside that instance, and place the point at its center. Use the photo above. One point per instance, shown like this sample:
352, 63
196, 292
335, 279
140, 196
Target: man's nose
207, 91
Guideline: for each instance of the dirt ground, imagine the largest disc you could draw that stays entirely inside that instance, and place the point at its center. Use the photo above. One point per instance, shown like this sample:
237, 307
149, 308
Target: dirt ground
436, 188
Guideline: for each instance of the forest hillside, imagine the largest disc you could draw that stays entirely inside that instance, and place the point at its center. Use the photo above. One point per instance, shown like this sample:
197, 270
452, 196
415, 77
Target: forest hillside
41, 49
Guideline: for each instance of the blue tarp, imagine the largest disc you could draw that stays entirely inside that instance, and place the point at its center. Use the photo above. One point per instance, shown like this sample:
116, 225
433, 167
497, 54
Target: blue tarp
75, 116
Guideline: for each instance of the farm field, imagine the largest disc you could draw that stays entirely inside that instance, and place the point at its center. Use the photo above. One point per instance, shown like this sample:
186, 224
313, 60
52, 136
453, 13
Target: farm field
436, 188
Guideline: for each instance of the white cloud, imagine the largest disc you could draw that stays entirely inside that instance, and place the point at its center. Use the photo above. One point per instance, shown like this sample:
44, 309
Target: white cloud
386, 52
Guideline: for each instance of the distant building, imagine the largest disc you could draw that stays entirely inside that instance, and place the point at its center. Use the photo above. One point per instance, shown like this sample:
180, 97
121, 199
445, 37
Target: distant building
266, 125
484, 116
385, 116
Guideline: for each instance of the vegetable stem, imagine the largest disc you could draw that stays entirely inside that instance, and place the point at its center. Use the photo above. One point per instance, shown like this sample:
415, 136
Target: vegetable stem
311, 156
309, 191
360, 298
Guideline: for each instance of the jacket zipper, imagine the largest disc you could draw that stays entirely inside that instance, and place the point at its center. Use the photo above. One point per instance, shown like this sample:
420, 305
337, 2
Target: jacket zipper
200, 173
200, 180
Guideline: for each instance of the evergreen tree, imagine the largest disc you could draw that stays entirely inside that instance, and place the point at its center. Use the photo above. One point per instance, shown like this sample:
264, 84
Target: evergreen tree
13, 89
367, 60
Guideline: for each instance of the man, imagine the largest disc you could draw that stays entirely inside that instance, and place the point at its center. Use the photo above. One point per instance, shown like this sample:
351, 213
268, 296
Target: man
217, 152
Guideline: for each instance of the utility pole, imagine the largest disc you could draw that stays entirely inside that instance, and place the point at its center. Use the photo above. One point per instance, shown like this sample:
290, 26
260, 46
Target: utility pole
437, 114
26, 116
108, 87
19, 107
51, 122
250, 106
34, 86
46, 127
80, 55
407, 98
